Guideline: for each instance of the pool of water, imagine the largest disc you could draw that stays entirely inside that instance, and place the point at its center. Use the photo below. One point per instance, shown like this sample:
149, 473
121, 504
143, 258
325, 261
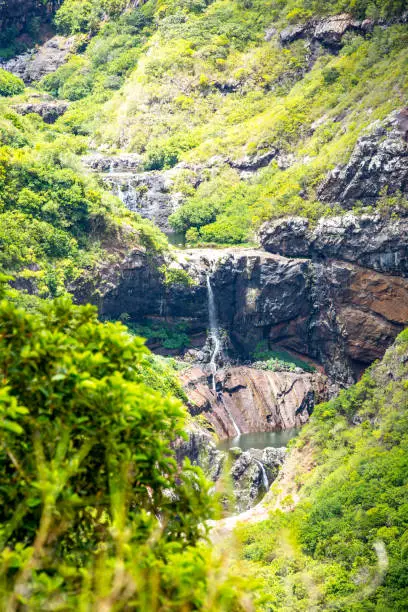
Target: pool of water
177, 239
264, 439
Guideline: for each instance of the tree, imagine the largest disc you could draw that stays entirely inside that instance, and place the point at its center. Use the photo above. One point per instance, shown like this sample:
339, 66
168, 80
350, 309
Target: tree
87, 469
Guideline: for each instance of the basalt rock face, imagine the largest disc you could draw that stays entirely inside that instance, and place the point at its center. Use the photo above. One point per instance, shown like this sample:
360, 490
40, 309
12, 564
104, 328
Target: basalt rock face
379, 161
338, 313
371, 241
252, 400
331, 30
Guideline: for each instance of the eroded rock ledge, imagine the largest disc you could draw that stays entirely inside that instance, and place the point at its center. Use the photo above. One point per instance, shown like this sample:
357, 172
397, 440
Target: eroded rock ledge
338, 313
371, 241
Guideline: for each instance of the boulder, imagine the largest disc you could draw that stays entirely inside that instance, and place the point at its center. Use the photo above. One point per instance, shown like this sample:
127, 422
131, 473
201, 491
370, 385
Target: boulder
241, 477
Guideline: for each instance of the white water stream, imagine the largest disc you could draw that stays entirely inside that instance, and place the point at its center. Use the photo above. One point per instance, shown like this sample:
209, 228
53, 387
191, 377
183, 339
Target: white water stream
264, 475
214, 332
216, 349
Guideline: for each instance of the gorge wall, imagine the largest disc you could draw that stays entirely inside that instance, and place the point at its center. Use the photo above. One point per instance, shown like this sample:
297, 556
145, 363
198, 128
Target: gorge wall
340, 298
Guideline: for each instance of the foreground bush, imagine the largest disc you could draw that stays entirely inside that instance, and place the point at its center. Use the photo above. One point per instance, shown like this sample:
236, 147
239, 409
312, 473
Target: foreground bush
94, 511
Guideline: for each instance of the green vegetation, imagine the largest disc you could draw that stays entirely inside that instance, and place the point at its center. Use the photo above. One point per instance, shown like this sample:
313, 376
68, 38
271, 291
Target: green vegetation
167, 336
95, 514
197, 81
94, 511
56, 223
176, 276
10, 85
277, 360
344, 546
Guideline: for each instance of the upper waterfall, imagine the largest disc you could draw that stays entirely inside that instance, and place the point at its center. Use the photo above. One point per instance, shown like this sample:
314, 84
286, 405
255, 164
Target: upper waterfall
214, 331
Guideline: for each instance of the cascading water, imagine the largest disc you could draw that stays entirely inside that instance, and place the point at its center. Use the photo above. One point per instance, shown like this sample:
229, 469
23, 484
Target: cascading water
265, 480
214, 332
216, 350
228, 411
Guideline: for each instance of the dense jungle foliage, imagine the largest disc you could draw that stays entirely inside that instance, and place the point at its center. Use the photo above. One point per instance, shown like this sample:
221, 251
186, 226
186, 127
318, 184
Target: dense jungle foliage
95, 514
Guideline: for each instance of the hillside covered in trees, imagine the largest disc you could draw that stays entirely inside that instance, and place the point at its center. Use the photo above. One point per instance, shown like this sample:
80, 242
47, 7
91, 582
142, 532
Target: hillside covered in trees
229, 180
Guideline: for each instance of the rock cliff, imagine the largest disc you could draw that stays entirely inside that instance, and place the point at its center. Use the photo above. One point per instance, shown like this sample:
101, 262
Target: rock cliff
371, 241
341, 307
252, 400
378, 163
38, 62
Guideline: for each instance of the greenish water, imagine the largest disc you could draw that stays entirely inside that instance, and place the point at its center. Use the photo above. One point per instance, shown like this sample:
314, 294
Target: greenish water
263, 439
176, 239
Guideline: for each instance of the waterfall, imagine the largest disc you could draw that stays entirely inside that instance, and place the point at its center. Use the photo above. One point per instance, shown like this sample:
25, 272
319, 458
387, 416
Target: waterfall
214, 332
216, 350
228, 411
264, 476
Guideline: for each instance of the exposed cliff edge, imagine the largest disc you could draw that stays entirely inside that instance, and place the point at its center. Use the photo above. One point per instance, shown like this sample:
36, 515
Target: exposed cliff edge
378, 163
36, 63
371, 241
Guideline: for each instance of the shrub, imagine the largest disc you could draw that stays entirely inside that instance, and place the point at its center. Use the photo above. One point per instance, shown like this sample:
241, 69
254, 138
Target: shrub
87, 470
10, 85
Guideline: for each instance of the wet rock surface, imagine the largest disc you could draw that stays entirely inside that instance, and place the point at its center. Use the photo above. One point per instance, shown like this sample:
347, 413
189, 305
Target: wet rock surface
252, 400
241, 477
321, 308
150, 193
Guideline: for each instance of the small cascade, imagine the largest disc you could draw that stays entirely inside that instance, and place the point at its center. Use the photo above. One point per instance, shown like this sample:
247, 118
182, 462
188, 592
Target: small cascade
265, 480
229, 413
214, 332
216, 351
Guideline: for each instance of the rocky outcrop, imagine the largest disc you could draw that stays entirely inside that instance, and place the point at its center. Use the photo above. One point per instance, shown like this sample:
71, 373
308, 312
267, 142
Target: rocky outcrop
252, 400
241, 478
372, 241
378, 164
147, 193
39, 62
330, 31
150, 194
125, 162
49, 110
